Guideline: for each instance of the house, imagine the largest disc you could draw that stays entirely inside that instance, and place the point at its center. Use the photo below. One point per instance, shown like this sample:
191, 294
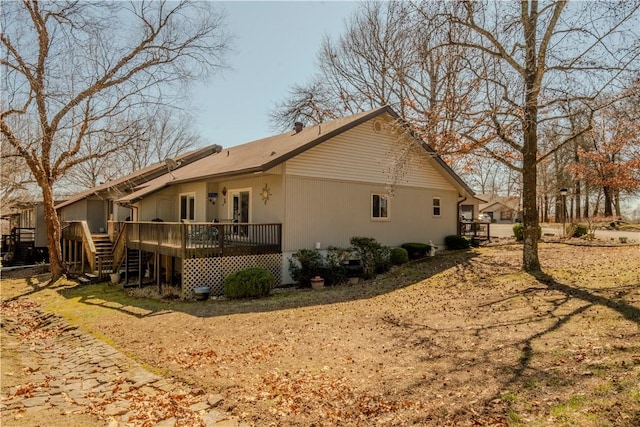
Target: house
500, 209
24, 235
256, 204
96, 205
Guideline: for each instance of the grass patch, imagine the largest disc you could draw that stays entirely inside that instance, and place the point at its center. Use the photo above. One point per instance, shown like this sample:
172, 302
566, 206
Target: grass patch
566, 410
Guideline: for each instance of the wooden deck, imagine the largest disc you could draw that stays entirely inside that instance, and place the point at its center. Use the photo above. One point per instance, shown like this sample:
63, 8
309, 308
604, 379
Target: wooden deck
198, 240
476, 230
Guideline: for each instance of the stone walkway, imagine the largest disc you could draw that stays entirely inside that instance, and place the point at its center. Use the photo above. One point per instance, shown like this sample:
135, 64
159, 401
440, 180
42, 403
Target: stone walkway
72, 371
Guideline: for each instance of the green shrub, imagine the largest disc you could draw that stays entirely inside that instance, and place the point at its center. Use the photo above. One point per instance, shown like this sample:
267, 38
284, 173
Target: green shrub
305, 264
335, 265
249, 283
398, 256
455, 241
416, 250
518, 231
577, 230
375, 257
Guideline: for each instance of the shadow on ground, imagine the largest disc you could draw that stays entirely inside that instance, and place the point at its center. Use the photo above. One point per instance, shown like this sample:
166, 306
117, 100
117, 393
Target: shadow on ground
114, 297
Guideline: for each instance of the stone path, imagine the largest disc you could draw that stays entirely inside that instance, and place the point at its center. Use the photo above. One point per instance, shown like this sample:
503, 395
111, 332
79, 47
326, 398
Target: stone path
76, 373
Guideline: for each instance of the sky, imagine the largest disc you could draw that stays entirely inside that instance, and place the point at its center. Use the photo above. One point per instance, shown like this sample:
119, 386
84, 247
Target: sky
275, 46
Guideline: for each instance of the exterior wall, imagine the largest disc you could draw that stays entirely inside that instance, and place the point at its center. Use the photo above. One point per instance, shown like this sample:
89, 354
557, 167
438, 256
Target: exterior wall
329, 187
328, 193
96, 215
41, 227
331, 212
121, 213
362, 154
163, 204
260, 212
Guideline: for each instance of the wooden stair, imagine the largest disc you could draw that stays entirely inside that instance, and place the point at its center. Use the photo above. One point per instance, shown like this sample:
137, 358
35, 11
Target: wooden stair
104, 254
104, 261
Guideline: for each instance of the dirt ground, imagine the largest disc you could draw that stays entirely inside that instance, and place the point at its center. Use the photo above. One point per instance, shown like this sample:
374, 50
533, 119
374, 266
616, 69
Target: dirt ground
465, 338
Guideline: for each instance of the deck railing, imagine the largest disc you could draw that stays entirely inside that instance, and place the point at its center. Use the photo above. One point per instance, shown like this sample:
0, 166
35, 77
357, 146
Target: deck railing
78, 231
200, 239
476, 230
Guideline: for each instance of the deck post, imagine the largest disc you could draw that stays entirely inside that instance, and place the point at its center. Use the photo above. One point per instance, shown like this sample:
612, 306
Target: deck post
140, 272
157, 272
126, 264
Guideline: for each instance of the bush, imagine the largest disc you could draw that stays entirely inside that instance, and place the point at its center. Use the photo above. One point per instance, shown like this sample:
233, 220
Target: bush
456, 241
375, 257
305, 264
577, 230
398, 256
416, 250
518, 231
335, 270
249, 283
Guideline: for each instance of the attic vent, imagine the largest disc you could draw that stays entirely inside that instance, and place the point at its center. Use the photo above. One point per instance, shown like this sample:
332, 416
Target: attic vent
298, 127
377, 126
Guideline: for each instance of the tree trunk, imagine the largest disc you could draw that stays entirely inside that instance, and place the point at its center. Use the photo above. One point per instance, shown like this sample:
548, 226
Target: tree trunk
586, 201
530, 259
577, 191
58, 269
608, 201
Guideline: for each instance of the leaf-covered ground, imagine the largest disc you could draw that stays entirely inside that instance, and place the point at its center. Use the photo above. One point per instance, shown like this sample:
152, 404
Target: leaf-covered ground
461, 339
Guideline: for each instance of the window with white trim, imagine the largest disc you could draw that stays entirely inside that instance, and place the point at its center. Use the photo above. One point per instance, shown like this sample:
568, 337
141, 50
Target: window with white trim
188, 206
436, 206
379, 207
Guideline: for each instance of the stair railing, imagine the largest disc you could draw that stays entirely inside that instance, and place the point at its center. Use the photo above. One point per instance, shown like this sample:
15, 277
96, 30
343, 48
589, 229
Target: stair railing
79, 231
120, 247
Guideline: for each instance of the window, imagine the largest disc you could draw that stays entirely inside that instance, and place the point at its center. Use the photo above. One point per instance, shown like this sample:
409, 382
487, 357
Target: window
187, 207
436, 206
379, 206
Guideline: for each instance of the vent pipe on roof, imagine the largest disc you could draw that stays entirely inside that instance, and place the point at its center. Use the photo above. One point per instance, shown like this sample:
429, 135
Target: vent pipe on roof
297, 126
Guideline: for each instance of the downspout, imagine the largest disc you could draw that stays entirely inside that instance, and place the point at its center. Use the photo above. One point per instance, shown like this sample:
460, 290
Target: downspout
458, 216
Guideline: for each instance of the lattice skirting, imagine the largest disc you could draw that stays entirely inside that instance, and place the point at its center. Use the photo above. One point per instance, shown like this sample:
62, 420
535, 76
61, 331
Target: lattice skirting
212, 271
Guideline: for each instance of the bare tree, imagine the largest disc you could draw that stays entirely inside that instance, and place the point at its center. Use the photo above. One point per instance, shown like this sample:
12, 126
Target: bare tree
79, 70
159, 134
535, 57
385, 57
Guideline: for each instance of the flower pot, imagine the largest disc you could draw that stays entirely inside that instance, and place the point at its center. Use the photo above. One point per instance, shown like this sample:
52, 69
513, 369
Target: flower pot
115, 278
317, 282
201, 293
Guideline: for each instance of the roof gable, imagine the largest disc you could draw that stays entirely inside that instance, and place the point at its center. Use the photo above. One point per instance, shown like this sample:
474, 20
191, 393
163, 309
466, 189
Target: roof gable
264, 154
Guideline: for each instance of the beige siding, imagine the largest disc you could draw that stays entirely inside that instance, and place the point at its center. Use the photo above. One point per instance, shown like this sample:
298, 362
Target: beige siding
165, 203
74, 212
361, 154
331, 212
329, 191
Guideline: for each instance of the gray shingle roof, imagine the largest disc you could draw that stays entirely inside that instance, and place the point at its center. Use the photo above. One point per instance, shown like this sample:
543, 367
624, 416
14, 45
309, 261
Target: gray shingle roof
263, 154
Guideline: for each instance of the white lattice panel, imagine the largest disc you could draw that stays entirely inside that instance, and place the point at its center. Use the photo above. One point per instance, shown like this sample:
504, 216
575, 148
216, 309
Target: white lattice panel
201, 272
212, 271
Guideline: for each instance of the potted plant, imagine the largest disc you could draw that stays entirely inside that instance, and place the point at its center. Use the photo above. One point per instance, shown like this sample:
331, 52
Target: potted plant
317, 282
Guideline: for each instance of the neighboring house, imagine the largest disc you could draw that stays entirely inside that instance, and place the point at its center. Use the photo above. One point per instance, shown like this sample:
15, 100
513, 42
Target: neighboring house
96, 205
258, 203
500, 209
26, 239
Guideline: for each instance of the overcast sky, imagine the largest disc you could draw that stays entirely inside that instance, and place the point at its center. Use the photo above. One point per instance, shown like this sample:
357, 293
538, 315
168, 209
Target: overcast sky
275, 47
